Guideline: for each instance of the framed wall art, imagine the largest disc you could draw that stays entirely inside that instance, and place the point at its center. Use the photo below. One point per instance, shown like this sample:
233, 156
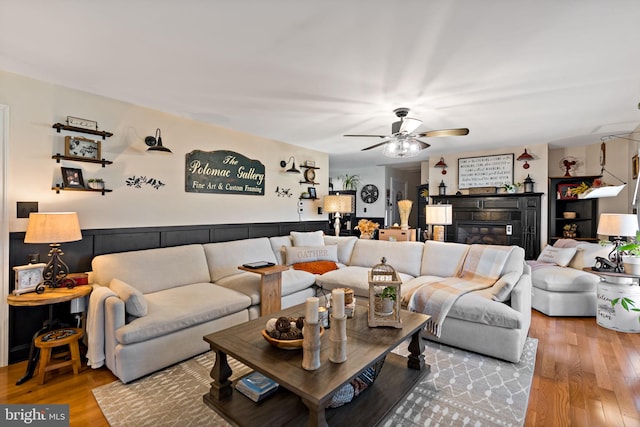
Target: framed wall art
72, 178
312, 193
485, 171
76, 146
635, 165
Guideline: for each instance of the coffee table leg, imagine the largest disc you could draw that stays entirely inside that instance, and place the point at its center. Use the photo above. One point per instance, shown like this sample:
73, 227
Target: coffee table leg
221, 371
416, 348
316, 414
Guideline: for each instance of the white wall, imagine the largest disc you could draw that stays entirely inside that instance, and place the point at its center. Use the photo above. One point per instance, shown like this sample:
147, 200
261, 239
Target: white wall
372, 175
36, 106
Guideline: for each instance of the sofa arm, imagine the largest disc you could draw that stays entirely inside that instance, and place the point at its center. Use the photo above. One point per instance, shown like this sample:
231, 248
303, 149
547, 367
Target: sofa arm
114, 318
521, 299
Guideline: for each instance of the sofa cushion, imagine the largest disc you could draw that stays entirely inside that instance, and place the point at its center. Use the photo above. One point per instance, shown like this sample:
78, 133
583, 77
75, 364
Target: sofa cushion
311, 238
478, 307
354, 277
134, 302
223, 258
181, 307
345, 246
586, 254
278, 245
562, 279
442, 259
405, 257
296, 254
249, 283
558, 256
153, 270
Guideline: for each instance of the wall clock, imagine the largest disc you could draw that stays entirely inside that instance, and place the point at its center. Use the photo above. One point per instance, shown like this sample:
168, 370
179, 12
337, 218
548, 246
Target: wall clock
28, 277
75, 146
310, 175
369, 193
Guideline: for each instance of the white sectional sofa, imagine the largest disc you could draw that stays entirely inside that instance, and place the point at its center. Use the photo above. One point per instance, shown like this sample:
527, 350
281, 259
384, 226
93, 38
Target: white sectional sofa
151, 308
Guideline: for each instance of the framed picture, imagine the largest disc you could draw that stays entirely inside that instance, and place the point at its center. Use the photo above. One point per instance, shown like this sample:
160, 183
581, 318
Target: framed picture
564, 193
635, 166
72, 178
27, 277
485, 171
82, 123
75, 146
312, 193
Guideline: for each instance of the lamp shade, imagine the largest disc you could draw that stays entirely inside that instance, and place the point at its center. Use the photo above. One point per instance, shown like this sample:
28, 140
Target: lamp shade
53, 227
439, 214
335, 203
618, 225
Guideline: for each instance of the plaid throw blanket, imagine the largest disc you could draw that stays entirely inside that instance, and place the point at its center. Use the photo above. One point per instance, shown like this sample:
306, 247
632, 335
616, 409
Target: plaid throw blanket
481, 269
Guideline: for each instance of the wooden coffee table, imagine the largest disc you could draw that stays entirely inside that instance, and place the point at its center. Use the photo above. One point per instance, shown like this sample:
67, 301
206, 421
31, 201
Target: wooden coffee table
303, 395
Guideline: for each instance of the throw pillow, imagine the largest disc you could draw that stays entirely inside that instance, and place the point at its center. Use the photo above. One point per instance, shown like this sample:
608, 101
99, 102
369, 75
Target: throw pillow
316, 267
558, 256
314, 238
297, 254
134, 302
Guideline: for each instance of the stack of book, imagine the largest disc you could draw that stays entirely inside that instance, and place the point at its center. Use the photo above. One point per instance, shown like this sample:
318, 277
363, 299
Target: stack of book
256, 386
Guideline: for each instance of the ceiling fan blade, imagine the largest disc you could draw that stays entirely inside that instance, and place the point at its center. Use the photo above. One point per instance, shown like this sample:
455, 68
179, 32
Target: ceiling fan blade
374, 146
445, 132
409, 124
423, 144
371, 136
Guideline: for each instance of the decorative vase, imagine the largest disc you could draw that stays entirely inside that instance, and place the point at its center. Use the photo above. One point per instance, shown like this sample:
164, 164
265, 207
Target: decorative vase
404, 206
383, 306
631, 264
367, 236
96, 185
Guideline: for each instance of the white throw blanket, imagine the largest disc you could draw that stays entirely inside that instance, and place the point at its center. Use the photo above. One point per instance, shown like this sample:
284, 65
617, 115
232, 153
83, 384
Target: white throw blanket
96, 325
482, 267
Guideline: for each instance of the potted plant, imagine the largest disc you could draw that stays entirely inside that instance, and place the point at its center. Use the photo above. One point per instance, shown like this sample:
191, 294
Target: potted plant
350, 182
511, 188
631, 256
96, 184
366, 228
385, 300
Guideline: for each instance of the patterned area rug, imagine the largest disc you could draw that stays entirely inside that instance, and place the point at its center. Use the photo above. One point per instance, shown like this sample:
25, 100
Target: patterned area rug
463, 389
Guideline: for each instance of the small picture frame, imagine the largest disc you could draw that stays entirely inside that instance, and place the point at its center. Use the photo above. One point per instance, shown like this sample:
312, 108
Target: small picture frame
635, 166
312, 193
82, 123
27, 277
76, 146
72, 178
563, 192
310, 163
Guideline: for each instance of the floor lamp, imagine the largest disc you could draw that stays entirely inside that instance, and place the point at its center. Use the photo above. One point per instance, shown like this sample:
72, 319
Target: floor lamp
438, 216
337, 205
53, 228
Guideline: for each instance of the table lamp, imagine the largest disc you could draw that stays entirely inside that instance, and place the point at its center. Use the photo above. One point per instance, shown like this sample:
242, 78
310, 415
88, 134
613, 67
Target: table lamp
53, 228
617, 226
438, 216
337, 205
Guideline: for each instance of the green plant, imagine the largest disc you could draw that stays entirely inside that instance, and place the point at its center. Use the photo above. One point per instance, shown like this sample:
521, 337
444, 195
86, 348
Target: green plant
511, 187
631, 248
96, 180
389, 292
350, 182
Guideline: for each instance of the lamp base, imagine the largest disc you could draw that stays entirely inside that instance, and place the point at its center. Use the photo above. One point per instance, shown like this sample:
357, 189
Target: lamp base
336, 223
55, 272
438, 233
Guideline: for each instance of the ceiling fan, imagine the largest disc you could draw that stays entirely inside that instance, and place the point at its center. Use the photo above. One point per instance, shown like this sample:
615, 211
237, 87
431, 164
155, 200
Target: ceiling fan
403, 142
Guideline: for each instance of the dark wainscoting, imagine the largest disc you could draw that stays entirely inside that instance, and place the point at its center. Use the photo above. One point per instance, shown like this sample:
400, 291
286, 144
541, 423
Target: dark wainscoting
25, 321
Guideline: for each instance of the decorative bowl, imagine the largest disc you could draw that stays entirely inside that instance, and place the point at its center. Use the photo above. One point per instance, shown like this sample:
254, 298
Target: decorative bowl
285, 344
569, 215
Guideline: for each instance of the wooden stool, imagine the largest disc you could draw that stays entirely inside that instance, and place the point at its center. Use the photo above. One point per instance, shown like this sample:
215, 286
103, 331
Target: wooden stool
57, 338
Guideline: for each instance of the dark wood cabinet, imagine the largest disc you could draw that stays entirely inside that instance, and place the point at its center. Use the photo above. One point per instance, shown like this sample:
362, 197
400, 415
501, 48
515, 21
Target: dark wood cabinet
586, 210
498, 219
423, 200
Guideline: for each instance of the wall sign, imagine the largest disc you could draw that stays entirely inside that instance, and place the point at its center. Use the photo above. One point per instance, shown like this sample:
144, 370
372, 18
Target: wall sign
223, 171
485, 171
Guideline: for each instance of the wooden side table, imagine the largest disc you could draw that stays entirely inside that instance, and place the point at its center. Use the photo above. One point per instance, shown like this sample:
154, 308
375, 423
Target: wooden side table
49, 297
270, 287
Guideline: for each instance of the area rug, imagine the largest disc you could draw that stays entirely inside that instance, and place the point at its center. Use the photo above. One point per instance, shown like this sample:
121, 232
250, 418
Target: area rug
463, 389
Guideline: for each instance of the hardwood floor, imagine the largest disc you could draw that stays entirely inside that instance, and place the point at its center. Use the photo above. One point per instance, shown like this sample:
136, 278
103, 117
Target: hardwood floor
585, 375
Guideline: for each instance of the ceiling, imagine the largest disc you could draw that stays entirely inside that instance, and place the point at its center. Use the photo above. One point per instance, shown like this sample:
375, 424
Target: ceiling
513, 72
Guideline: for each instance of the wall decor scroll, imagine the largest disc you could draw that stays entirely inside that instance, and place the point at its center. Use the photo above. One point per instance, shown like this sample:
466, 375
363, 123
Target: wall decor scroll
485, 171
223, 171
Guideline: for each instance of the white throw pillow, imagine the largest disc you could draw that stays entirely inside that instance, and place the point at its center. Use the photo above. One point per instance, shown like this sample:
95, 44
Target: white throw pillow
558, 256
296, 254
313, 238
134, 302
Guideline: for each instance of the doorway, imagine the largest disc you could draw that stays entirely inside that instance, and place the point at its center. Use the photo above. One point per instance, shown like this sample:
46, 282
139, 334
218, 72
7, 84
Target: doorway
397, 191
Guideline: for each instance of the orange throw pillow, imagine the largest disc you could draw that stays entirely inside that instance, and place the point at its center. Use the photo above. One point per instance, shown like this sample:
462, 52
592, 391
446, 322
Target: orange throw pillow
316, 267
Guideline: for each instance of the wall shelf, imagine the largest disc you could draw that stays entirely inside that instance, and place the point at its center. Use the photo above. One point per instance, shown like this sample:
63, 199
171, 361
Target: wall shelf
59, 157
58, 189
586, 209
61, 126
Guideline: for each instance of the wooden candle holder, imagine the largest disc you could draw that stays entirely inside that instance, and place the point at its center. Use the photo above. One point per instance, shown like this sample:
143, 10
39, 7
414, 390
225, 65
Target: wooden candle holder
311, 346
338, 339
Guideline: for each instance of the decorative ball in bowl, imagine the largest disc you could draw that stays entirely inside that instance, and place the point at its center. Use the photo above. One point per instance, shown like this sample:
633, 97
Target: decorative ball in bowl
285, 344
569, 215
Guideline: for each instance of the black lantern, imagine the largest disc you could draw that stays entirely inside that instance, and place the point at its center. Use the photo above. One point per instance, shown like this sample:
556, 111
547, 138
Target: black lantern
442, 188
528, 184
